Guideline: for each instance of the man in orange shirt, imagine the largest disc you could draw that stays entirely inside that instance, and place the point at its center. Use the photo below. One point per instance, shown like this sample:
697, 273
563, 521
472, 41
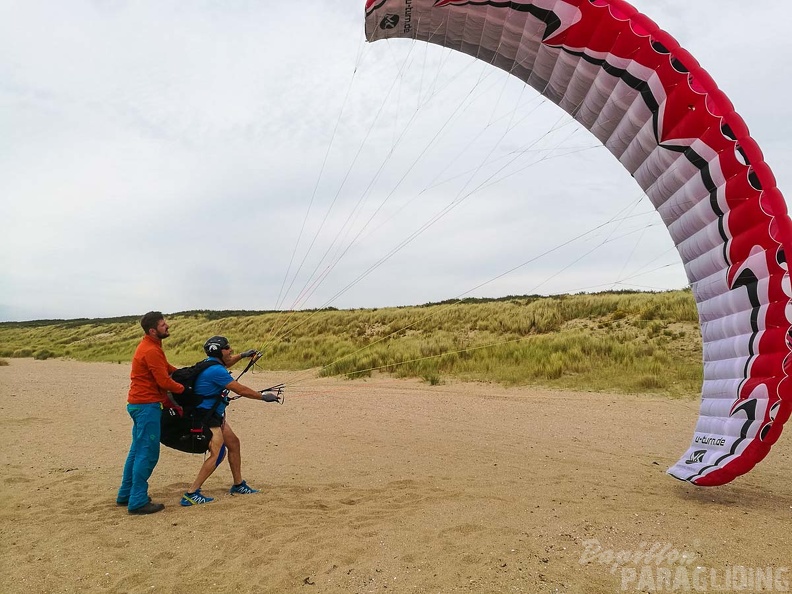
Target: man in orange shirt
149, 387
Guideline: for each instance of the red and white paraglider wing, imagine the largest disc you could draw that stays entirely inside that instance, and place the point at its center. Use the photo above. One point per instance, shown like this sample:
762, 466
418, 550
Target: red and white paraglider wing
650, 103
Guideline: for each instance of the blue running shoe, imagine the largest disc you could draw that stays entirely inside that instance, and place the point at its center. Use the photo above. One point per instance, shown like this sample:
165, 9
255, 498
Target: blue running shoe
196, 498
242, 489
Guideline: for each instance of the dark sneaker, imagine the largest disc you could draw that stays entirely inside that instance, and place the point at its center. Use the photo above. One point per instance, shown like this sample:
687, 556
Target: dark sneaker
149, 508
242, 489
125, 503
196, 498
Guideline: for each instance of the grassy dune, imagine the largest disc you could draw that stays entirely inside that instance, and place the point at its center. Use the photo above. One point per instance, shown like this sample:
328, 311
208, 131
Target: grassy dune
629, 342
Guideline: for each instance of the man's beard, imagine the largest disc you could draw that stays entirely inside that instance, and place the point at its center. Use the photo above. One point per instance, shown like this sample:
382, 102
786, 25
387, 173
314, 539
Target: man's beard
162, 335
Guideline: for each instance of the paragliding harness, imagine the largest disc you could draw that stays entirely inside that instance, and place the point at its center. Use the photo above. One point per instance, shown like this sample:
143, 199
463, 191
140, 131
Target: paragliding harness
184, 428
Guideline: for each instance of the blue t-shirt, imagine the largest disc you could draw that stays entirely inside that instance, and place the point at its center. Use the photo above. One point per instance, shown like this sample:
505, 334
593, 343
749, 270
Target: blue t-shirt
212, 382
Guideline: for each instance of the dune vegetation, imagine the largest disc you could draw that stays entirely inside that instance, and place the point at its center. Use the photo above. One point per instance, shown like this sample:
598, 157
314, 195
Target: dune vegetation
615, 341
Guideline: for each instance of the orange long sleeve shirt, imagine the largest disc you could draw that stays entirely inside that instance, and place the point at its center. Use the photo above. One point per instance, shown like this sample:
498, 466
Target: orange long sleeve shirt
150, 376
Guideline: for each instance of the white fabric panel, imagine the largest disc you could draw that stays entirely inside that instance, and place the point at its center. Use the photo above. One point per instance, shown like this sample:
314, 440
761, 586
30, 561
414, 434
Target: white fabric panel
725, 368
706, 264
684, 199
720, 388
587, 109
695, 219
668, 181
529, 45
500, 23
725, 326
636, 117
735, 302
473, 32
559, 86
710, 429
721, 408
668, 192
716, 407
728, 348
718, 416
543, 68
712, 292
456, 30
638, 150
658, 176
706, 239
493, 34
619, 97
640, 112
707, 289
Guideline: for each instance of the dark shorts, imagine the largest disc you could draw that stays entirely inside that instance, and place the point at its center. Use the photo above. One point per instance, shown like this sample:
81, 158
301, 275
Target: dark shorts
214, 420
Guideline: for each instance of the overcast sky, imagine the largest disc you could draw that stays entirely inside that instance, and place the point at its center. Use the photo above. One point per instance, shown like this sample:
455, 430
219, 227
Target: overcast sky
186, 155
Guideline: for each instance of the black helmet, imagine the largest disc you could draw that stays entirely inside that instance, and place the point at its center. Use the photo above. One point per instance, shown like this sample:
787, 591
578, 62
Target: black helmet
214, 346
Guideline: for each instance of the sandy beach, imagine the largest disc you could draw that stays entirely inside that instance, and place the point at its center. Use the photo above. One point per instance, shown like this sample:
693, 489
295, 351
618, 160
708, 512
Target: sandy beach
382, 485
